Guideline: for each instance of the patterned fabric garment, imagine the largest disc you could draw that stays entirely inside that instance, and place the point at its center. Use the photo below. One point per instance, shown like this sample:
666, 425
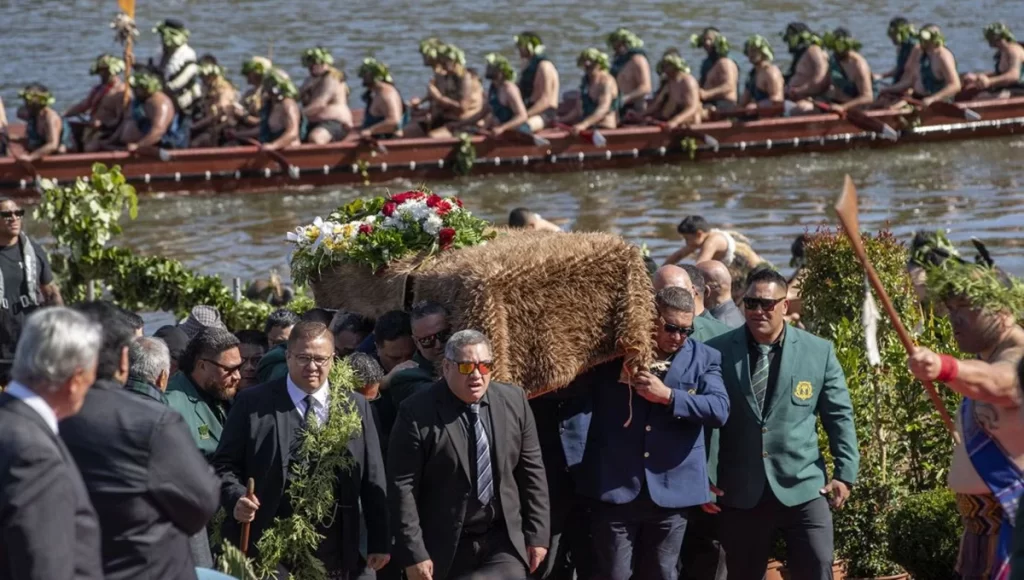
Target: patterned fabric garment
982, 517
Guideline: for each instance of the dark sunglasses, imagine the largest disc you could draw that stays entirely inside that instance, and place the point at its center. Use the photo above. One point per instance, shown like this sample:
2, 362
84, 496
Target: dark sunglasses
467, 368
432, 340
766, 304
681, 330
18, 213
225, 368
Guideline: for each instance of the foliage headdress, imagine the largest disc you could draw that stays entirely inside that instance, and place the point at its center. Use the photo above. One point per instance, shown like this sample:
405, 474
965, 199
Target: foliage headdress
625, 37
675, 61
258, 65
798, 35
109, 63
932, 34
998, 30
317, 55
595, 56
841, 41
172, 33
376, 70
502, 64
720, 45
452, 53
280, 85
429, 47
902, 30
147, 81
761, 45
37, 95
530, 42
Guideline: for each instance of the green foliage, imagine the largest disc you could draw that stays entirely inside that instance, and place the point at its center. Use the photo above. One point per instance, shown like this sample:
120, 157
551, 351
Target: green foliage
689, 145
235, 564
465, 155
323, 455
924, 534
904, 447
980, 285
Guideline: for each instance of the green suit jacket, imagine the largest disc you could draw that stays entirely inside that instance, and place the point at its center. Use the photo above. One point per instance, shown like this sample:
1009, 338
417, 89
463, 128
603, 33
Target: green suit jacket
411, 381
781, 449
204, 421
706, 327
273, 365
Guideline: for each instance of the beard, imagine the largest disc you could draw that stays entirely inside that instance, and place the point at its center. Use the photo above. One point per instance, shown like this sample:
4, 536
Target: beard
222, 392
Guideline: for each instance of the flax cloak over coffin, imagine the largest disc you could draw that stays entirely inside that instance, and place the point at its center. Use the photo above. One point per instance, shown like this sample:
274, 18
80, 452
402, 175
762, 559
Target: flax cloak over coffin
553, 304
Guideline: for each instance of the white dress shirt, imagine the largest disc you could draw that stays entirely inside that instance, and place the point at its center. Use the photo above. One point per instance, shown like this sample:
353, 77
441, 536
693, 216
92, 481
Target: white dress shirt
321, 398
30, 398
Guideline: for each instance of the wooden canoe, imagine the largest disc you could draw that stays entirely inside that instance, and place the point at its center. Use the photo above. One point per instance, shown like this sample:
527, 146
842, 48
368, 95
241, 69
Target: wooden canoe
245, 169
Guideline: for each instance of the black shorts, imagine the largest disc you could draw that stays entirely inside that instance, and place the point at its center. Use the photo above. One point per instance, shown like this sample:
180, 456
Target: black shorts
334, 128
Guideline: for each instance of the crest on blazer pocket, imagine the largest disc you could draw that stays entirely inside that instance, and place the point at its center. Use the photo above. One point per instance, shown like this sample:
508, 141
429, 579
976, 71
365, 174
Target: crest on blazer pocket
803, 390
204, 431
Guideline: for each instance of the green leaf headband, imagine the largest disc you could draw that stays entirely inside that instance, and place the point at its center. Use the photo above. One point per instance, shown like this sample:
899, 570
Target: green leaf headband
805, 38
595, 56
761, 45
146, 81
983, 287
318, 55
172, 36
529, 41
211, 70
452, 53
675, 61
720, 44
429, 47
280, 84
903, 32
259, 65
932, 36
626, 37
840, 43
375, 69
109, 63
998, 30
35, 96
502, 64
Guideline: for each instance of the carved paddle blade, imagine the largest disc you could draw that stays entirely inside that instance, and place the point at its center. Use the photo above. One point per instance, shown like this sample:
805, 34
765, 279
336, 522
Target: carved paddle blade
846, 207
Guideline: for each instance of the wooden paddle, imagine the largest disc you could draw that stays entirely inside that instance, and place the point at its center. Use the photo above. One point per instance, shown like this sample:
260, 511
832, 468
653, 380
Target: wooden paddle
861, 120
281, 160
250, 493
15, 150
593, 136
846, 208
947, 109
128, 7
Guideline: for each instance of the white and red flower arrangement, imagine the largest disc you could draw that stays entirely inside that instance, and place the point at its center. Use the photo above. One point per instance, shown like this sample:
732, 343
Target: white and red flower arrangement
382, 230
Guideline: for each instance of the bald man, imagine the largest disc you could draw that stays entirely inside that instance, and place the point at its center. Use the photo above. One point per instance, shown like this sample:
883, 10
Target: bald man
718, 298
704, 328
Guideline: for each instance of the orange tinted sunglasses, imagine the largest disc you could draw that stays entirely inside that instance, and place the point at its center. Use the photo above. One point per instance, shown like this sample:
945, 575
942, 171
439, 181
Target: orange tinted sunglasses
467, 368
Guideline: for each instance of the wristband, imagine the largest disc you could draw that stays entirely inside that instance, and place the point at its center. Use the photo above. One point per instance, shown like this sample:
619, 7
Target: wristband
949, 370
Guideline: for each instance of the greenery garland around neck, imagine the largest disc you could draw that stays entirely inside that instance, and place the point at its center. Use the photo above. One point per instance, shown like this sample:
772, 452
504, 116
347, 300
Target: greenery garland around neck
293, 541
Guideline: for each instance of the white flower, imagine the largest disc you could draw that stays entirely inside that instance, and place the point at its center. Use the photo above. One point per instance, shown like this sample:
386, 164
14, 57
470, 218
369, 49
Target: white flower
416, 209
433, 224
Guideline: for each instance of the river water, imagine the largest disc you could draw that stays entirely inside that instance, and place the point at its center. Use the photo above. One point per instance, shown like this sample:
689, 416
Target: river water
972, 188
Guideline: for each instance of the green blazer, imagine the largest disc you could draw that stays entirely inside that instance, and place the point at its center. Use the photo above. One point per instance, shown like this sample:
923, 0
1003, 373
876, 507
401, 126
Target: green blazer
706, 327
204, 423
781, 449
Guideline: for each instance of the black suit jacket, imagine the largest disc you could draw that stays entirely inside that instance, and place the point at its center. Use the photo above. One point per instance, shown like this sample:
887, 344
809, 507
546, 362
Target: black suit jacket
429, 472
50, 531
255, 443
150, 486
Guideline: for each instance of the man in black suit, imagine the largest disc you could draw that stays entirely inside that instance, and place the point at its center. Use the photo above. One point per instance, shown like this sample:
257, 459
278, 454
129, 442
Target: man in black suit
468, 492
150, 486
261, 440
50, 531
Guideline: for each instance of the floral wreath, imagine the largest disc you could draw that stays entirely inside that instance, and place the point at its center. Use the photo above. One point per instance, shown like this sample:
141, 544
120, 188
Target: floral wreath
502, 65
452, 53
37, 95
530, 42
675, 61
318, 55
932, 35
998, 30
595, 56
172, 35
626, 37
840, 41
798, 39
720, 45
146, 81
259, 65
375, 69
761, 45
280, 85
208, 69
903, 32
107, 62
429, 47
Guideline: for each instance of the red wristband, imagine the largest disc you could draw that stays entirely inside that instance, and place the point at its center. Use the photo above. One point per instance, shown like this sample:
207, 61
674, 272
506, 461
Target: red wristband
949, 370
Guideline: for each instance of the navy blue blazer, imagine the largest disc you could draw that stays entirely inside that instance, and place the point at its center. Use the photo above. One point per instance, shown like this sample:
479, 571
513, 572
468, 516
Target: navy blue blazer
663, 445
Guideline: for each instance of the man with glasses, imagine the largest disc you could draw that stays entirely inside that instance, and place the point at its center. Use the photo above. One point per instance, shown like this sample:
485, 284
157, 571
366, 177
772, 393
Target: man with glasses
644, 461
26, 281
430, 331
671, 276
781, 381
252, 346
468, 491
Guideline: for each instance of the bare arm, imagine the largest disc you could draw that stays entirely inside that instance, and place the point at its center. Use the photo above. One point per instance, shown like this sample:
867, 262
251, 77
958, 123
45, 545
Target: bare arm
291, 127
865, 90
776, 85
693, 105
54, 126
948, 67
994, 382
515, 101
546, 85
162, 114
643, 70
679, 255
604, 106
79, 107
1012, 74
711, 246
906, 82
51, 294
726, 86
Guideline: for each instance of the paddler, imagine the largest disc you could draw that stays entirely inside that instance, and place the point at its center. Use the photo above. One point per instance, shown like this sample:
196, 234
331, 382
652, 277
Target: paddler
506, 109
904, 37
463, 96
429, 118
808, 75
384, 117
104, 105
218, 109
719, 74
46, 132
679, 103
538, 81
254, 70
1008, 78
282, 123
765, 84
935, 77
599, 95
179, 68
988, 457
152, 119
849, 72
632, 72
324, 98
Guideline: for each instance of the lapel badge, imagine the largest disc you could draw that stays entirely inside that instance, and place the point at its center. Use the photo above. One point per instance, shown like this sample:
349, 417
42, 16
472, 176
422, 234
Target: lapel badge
803, 390
204, 431
692, 392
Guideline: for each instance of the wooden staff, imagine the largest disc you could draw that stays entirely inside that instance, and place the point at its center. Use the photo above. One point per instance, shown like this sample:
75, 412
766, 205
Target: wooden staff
128, 7
250, 493
846, 208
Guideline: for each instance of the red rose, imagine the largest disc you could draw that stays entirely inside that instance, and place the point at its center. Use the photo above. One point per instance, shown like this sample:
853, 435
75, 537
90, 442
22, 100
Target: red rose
407, 196
389, 208
366, 229
445, 237
458, 201
434, 200
443, 207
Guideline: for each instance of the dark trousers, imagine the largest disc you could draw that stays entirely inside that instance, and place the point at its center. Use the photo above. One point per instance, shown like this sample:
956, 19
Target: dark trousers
488, 556
638, 540
748, 537
702, 556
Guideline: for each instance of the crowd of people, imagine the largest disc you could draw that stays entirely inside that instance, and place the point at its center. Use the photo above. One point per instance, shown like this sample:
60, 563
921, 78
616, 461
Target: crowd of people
183, 100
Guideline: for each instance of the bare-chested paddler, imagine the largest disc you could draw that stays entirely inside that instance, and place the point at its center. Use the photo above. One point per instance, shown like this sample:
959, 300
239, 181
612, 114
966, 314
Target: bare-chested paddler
852, 85
679, 102
218, 108
632, 71
538, 81
808, 73
935, 76
103, 107
324, 98
719, 74
254, 70
988, 459
599, 95
463, 96
384, 116
765, 84
282, 123
1007, 79
429, 117
152, 119
46, 132
505, 107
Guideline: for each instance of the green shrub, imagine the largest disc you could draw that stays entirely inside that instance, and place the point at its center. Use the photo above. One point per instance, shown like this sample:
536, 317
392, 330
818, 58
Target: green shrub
924, 534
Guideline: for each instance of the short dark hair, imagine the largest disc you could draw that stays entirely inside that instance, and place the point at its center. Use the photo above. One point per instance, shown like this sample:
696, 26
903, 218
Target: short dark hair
519, 217
308, 330
697, 279
766, 275
355, 323
208, 58
426, 308
367, 369
797, 28
210, 342
674, 298
280, 318
693, 224
898, 21
133, 319
117, 335
253, 337
392, 326
797, 249
321, 315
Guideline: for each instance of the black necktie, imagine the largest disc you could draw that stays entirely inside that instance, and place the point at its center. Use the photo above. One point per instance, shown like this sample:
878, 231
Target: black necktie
484, 477
310, 414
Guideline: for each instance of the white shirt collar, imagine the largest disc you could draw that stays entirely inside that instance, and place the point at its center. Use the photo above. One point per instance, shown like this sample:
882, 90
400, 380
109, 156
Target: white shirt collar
298, 396
33, 400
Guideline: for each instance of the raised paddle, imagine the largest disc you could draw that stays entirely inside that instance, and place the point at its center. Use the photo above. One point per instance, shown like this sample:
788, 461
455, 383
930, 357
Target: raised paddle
708, 139
861, 120
293, 171
846, 208
593, 136
250, 493
947, 109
